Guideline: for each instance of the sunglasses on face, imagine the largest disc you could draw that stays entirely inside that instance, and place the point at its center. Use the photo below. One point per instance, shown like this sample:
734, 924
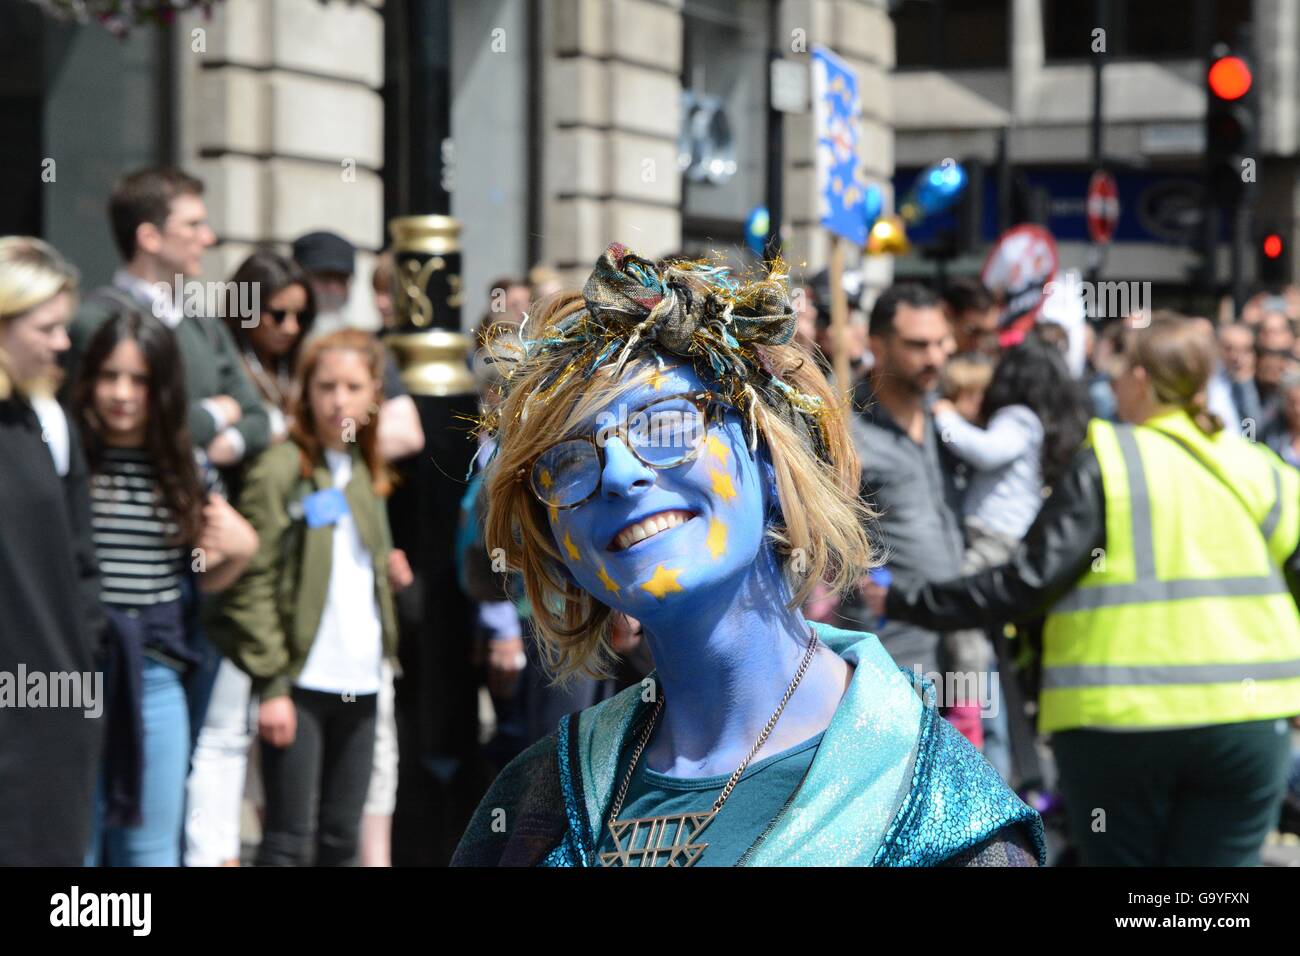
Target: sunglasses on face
278, 316
663, 433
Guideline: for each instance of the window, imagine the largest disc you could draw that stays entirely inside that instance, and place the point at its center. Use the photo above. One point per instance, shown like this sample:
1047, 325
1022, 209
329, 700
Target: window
952, 34
1142, 29
95, 106
1156, 30
1067, 29
725, 78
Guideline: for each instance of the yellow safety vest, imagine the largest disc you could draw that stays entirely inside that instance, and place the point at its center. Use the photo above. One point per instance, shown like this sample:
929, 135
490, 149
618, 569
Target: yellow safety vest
1184, 618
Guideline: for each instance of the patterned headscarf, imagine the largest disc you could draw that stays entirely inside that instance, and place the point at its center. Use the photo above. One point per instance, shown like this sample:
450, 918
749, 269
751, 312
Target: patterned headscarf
693, 309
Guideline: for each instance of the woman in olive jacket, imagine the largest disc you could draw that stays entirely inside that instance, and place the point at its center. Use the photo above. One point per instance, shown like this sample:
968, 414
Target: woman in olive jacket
312, 618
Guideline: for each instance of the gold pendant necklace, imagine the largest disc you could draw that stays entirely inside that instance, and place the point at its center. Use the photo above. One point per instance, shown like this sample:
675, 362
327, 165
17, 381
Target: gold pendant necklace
673, 838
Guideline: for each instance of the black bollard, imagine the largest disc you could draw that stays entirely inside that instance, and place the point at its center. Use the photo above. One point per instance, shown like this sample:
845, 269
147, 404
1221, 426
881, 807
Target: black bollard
441, 774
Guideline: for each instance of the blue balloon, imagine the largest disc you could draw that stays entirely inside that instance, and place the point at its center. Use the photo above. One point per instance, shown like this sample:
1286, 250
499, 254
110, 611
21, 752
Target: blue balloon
939, 187
873, 203
757, 225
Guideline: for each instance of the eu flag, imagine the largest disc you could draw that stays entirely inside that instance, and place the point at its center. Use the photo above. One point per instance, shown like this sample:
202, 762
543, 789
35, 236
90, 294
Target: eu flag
841, 184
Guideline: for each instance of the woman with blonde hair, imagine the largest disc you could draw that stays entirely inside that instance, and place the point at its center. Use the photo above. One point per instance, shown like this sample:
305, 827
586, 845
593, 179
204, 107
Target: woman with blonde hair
666, 452
1171, 653
52, 621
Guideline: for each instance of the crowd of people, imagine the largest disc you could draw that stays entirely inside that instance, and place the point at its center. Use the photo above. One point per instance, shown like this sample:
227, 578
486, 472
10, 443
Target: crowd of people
1128, 559
194, 511
193, 507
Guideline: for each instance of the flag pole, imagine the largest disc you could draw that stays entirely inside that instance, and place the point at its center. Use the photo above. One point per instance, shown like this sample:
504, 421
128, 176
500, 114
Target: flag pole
839, 320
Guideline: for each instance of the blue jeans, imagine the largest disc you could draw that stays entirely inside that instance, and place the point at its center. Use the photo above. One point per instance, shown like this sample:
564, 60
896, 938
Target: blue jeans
156, 841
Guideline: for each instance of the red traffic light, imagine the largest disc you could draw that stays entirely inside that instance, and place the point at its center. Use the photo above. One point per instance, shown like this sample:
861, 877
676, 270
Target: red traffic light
1272, 245
1229, 78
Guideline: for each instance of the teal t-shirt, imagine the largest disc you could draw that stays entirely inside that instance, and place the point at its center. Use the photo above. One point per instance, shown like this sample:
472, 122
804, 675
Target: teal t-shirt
757, 798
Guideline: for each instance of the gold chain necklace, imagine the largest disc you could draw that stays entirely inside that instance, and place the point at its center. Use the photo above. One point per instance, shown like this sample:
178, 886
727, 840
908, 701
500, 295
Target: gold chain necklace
672, 839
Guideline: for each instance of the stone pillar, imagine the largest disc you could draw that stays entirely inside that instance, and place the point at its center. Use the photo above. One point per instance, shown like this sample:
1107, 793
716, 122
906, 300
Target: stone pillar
861, 32
612, 112
281, 116
1277, 31
1027, 55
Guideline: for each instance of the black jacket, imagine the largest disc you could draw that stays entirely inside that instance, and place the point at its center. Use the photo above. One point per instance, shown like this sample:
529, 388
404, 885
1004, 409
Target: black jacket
51, 623
1056, 552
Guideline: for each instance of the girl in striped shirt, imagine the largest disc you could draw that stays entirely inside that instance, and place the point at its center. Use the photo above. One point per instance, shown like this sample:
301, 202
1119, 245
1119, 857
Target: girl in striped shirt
154, 524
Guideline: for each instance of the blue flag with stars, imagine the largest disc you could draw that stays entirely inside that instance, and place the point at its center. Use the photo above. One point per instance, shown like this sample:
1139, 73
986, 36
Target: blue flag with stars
841, 185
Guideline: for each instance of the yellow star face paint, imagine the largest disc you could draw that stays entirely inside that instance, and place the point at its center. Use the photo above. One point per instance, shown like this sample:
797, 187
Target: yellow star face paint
716, 542
658, 377
546, 479
672, 571
663, 582
722, 485
571, 548
717, 449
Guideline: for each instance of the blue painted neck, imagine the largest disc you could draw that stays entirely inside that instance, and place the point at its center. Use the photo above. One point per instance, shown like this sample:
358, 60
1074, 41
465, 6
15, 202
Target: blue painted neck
724, 657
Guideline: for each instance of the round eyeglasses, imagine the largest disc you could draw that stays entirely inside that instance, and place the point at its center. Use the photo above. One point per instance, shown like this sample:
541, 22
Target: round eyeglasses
663, 433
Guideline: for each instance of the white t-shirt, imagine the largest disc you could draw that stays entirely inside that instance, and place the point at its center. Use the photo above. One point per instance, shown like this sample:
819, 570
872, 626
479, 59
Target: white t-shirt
348, 650
54, 429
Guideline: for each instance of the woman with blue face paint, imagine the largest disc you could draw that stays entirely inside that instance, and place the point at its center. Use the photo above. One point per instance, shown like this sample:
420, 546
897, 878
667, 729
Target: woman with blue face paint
665, 451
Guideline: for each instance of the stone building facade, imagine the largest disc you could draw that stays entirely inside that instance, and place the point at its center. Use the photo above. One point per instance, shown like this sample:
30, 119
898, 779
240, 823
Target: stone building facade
282, 117
566, 121
969, 69
614, 83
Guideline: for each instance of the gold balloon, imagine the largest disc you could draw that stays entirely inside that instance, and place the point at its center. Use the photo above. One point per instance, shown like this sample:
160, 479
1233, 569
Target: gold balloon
888, 237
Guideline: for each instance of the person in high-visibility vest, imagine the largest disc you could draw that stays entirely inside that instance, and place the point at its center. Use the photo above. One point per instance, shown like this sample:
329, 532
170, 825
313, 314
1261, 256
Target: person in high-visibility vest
1166, 562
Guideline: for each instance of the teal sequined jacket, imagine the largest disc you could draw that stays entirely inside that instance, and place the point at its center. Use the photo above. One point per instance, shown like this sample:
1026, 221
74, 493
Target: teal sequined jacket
892, 784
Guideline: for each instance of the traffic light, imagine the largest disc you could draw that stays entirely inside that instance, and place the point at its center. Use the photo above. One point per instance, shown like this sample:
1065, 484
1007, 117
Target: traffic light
1230, 124
1273, 266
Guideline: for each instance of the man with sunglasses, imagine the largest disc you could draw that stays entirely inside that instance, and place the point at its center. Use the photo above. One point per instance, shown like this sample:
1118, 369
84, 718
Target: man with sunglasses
160, 225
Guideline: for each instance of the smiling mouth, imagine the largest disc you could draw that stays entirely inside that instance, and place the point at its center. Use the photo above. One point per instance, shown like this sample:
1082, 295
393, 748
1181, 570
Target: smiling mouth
650, 527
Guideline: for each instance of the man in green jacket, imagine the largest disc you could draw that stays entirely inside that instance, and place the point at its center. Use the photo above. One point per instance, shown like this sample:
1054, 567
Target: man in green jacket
160, 225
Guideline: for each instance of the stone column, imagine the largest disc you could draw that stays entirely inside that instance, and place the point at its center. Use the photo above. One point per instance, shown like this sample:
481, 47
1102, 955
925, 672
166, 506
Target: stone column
862, 33
1027, 55
281, 116
1277, 31
612, 112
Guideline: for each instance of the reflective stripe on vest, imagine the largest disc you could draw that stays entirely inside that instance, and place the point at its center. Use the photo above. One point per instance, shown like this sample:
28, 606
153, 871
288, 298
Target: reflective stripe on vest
1100, 675
1186, 619
1147, 588
1269, 525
